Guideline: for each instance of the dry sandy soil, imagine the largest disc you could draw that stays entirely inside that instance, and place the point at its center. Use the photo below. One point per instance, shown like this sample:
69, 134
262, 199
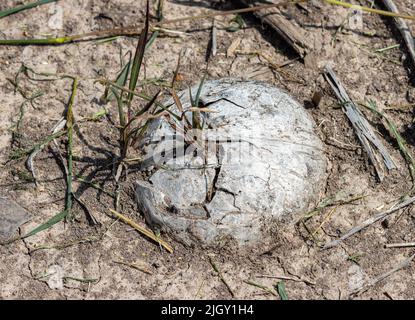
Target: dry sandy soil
76, 260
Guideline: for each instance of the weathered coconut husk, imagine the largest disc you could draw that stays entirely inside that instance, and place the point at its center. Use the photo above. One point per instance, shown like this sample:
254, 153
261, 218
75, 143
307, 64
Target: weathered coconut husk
262, 163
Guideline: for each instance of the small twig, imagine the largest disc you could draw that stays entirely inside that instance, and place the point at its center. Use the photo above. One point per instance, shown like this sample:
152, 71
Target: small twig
81, 280
215, 267
233, 46
331, 202
369, 222
143, 230
313, 237
200, 289
327, 218
376, 280
294, 36
93, 221
266, 289
176, 73
364, 131
341, 145
291, 278
266, 58
214, 39
134, 266
372, 53
36, 149
403, 29
400, 245
370, 10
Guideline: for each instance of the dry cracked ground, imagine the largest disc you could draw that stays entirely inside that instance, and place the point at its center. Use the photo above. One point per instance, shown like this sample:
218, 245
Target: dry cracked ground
79, 261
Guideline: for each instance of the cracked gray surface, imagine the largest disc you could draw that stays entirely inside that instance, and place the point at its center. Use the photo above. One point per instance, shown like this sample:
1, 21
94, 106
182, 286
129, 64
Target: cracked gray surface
12, 216
260, 161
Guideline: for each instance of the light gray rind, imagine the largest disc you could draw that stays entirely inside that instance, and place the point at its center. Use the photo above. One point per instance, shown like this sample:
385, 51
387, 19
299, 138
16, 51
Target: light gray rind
283, 172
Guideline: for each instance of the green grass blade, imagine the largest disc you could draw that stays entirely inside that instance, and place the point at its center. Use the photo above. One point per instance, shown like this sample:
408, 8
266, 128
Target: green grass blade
122, 77
130, 134
144, 110
120, 106
68, 203
22, 42
97, 115
118, 93
94, 185
192, 101
106, 40
8, 12
54, 220
402, 146
195, 103
69, 126
199, 91
121, 80
18, 154
159, 12
147, 98
393, 130
138, 57
152, 39
237, 24
281, 290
